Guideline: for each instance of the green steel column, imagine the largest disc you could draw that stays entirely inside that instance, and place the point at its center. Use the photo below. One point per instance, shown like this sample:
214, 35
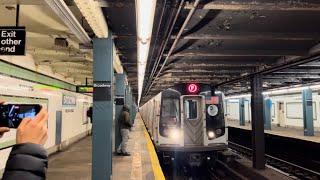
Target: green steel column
120, 94
241, 112
307, 112
102, 108
267, 104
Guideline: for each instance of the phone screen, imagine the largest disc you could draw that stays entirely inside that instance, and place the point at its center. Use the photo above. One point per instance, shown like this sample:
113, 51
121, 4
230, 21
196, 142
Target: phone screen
11, 115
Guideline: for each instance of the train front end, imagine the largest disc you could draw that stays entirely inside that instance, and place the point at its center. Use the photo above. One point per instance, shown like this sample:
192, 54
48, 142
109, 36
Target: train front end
191, 125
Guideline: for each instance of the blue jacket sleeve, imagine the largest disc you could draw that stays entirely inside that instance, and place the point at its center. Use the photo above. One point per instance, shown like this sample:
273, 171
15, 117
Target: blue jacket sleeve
26, 161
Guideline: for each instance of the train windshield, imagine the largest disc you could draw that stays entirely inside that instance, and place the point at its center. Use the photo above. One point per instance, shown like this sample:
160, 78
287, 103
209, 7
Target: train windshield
170, 112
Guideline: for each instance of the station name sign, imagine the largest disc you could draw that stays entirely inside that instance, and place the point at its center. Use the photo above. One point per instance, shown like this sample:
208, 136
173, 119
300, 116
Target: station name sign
84, 89
12, 41
102, 90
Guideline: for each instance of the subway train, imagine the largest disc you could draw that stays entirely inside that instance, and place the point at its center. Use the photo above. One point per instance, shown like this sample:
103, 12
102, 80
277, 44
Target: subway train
286, 109
68, 121
186, 124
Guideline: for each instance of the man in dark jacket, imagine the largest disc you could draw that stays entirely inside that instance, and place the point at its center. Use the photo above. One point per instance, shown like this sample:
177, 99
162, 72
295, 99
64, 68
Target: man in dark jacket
125, 125
28, 159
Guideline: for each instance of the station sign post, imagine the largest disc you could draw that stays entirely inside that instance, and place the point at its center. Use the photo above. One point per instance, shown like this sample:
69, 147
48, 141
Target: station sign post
12, 41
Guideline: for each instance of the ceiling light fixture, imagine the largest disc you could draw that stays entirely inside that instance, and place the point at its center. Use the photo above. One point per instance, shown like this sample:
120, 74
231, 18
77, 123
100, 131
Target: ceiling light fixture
92, 12
145, 10
65, 14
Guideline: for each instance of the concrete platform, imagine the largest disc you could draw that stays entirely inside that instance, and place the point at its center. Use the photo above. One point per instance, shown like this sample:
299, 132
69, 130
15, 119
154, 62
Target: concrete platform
75, 162
280, 131
143, 162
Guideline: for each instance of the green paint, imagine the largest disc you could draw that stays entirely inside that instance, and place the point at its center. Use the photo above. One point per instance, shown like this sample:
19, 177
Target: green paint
21, 73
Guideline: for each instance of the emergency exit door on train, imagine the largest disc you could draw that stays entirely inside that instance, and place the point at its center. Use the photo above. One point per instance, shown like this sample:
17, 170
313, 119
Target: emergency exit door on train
193, 120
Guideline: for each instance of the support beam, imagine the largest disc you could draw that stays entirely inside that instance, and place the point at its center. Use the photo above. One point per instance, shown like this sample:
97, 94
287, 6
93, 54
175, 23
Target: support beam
294, 5
102, 109
22, 2
241, 112
258, 142
279, 67
307, 112
245, 53
267, 104
119, 99
263, 36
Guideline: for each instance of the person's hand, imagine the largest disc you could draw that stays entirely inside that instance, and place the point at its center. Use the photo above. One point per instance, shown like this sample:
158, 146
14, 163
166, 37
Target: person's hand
33, 130
3, 129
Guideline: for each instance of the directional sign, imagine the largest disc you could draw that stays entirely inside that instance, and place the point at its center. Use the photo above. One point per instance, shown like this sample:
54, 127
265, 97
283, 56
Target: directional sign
12, 41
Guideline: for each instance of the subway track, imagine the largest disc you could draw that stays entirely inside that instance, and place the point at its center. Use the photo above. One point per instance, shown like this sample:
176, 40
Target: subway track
213, 170
288, 168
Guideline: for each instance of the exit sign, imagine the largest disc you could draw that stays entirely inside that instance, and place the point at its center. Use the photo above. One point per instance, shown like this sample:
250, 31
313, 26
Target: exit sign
12, 41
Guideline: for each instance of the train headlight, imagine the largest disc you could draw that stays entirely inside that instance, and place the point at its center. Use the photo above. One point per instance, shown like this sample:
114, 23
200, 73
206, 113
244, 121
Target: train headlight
211, 134
174, 133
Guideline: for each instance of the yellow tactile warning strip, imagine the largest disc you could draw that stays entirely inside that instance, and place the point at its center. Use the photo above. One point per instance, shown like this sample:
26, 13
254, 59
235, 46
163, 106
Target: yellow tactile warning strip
136, 171
157, 171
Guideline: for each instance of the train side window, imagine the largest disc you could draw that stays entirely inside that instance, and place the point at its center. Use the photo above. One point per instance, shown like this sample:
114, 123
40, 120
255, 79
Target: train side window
191, 107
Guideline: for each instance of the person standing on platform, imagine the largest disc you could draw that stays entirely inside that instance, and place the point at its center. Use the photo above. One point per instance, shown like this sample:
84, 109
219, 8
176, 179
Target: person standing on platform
124, 125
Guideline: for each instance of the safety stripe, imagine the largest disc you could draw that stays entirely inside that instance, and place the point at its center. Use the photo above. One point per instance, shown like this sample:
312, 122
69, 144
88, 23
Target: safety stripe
157, 171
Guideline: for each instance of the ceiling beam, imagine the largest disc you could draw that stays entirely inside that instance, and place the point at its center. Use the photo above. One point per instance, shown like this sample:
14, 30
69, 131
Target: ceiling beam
297, 76
22, 2
200, 71
254, 36
299, 71
275, 5
245, 53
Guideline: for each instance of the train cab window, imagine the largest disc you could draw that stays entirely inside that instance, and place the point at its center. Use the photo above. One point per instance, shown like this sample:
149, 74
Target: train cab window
170, 111
191, 108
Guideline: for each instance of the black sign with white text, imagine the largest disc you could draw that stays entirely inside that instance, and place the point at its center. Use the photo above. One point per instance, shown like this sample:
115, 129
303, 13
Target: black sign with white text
12, 41
102, 90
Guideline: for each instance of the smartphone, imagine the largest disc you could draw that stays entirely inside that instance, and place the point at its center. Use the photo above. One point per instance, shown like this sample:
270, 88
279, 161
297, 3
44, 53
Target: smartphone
11, 115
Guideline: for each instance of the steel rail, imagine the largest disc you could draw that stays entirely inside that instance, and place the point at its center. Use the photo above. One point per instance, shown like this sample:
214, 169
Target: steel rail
163, 46
191, 12
249, 151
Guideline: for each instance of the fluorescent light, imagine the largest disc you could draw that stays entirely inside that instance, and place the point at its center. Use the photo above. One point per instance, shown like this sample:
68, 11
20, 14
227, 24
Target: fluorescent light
145, 10
65, 14
92, 12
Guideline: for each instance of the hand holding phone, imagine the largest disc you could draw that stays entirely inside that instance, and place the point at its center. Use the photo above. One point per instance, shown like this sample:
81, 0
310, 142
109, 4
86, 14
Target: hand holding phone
33, 130
11, 115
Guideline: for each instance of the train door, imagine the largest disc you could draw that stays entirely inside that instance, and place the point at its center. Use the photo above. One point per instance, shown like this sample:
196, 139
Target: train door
193, 120
281, 118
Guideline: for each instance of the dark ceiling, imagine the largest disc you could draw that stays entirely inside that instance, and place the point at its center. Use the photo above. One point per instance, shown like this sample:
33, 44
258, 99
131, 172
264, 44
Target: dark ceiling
221, 40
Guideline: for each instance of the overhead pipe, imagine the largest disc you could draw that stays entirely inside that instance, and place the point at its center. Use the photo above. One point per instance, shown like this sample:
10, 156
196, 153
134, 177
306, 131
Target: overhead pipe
191, 12
166, 41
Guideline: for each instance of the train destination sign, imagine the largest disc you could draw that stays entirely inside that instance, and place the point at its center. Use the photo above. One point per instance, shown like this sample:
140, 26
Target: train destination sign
12, 41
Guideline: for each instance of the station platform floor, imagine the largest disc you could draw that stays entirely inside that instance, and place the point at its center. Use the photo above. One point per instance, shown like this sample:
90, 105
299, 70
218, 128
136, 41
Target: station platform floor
292, 132
75, 162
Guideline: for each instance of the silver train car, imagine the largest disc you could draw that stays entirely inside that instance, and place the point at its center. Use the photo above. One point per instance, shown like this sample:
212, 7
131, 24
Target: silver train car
186, 123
